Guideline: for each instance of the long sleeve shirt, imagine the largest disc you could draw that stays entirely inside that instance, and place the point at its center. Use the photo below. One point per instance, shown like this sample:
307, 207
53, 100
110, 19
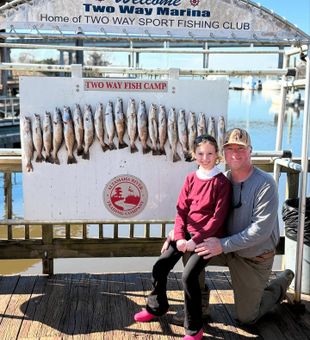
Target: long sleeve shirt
253, 228
202, 207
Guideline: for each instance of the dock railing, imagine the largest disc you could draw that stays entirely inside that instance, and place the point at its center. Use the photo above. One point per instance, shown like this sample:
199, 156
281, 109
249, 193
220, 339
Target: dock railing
49, 240
9, 107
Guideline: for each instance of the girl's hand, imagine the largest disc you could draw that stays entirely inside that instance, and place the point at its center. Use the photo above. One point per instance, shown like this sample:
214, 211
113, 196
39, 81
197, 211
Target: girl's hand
169, 238
181, 245
190, 245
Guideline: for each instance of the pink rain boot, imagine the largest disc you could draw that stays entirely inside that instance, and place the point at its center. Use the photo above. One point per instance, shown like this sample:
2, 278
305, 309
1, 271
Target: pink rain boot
198, 336
144, 316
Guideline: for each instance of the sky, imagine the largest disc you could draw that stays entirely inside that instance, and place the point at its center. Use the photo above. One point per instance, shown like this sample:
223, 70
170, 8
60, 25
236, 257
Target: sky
296, 12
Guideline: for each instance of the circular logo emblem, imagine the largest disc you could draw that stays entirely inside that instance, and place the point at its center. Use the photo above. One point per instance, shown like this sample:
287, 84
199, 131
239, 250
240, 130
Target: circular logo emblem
125, 196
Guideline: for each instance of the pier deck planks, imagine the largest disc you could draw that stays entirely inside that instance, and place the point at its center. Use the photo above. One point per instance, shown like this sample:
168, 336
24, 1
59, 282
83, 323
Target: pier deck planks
101, 306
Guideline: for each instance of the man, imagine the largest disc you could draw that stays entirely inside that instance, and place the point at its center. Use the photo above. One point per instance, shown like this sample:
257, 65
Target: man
252, 234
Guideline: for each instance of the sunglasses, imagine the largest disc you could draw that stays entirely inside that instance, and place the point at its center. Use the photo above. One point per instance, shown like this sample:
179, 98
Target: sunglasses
239, 204
204, 137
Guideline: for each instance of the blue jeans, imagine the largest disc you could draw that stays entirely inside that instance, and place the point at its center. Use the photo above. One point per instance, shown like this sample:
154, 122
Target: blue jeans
157, 302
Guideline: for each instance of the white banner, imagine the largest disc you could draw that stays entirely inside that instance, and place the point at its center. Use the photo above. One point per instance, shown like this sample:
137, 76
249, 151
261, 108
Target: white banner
182, 18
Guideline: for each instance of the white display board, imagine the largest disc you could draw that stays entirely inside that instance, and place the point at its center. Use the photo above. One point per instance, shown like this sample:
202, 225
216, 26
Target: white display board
76, 191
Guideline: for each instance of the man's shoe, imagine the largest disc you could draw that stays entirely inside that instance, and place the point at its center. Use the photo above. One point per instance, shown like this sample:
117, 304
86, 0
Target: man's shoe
286, 279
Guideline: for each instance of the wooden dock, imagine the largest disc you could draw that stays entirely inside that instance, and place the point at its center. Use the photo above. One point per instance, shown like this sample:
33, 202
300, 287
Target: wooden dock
102, 306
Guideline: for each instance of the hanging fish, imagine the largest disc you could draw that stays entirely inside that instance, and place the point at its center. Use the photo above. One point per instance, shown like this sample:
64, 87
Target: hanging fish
109, 123
37, 138
27, 143
132, 124
201, 124
57, 134
99, 126
78, 129
48, 137
173, 134
221, 130
69, 134
153, 129
192, 131
120, 123
162, 129
142, 127
183, 135
89, 130
211, 127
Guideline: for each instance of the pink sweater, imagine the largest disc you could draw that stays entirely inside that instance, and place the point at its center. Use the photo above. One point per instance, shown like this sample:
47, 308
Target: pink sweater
202, 207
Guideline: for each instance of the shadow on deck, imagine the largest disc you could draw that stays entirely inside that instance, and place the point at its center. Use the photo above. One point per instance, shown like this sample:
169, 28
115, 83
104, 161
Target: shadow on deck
101, 306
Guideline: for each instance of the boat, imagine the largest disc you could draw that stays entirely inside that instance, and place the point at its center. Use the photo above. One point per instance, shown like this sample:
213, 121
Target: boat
271, 84
293, 99
252, 84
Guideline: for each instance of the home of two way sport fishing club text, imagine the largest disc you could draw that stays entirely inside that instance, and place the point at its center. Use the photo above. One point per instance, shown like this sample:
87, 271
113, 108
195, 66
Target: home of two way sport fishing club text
124, 15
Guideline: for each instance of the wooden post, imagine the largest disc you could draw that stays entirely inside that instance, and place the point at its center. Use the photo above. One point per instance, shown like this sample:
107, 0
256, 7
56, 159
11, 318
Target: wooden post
292, 184
115, 231
47, 259
100, 230
131, 230
8, 195
84, 231
147, 230
68, 231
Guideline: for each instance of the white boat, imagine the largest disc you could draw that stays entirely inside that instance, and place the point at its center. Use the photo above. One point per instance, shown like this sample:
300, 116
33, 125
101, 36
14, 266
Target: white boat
251, 83
293, 99
272, 84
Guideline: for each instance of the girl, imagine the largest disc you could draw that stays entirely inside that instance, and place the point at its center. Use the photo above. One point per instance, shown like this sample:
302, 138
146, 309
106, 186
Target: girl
202, 207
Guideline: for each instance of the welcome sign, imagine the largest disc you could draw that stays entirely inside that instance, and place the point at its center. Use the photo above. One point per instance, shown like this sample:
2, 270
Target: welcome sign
237, 19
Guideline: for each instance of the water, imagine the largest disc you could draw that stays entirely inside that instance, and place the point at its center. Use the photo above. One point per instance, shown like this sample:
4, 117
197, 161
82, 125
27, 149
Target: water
255, 111
252, 110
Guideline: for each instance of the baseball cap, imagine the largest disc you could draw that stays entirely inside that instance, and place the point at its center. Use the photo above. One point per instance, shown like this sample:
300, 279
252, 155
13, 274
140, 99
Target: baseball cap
237, 136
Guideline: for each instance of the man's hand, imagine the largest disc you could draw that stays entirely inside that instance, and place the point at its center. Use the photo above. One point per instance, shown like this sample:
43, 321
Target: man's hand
169, 238
190, 245
209, 248
181, 245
